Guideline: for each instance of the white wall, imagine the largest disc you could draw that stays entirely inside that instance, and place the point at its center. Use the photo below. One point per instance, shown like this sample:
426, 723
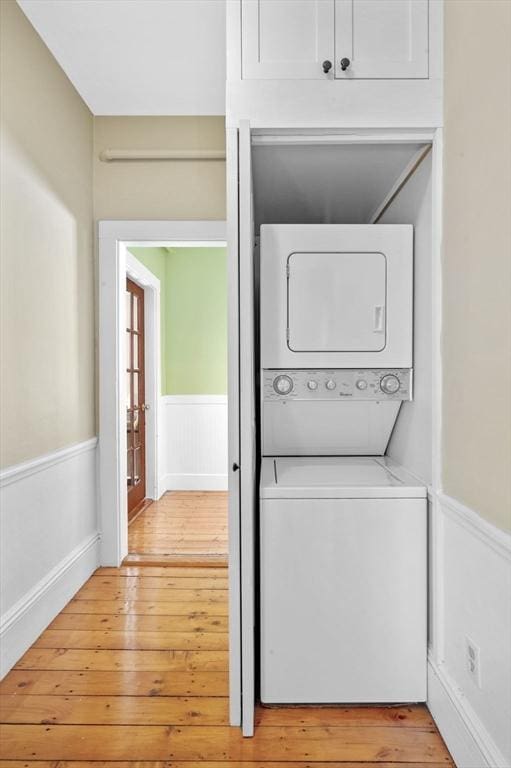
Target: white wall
471, 585
411, 442
48, 541
193, 431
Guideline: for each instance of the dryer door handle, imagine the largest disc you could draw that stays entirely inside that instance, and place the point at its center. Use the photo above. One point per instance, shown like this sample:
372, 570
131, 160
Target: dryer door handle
379, 318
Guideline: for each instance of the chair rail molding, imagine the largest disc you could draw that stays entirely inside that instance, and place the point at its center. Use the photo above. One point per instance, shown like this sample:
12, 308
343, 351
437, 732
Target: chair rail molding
17, 472
49, 541
489, 534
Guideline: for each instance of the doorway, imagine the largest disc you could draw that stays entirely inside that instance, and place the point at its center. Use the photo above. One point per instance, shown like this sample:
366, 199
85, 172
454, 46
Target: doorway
163, 458
189, 521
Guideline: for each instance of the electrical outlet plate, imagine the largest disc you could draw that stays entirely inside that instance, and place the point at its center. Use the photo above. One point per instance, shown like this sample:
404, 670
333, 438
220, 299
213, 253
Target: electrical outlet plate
473, 660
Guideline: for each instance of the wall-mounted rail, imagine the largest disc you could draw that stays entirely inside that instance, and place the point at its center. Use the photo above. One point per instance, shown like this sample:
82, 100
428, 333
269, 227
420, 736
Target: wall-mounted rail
160, 155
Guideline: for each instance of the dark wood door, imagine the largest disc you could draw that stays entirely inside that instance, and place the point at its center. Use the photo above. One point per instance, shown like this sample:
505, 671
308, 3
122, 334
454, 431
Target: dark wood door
135, 395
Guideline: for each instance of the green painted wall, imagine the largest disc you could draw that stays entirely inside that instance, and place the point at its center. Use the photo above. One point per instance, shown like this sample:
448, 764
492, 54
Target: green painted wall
193, 317
155, 260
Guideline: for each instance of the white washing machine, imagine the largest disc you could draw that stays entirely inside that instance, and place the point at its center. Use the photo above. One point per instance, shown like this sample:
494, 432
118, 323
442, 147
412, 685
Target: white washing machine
343, 581
342, 528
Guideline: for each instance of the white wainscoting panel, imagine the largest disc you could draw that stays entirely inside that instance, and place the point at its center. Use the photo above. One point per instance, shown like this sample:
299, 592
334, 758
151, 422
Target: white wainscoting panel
48, 541
473, 575
195, 440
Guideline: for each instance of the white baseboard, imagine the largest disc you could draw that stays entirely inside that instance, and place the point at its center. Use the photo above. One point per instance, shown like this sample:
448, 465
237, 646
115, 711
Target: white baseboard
192, 482
467, 739
471, 579
24, 622
48, 541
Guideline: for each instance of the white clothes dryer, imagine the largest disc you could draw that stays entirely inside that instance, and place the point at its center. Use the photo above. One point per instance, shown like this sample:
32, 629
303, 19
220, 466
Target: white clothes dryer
336, 295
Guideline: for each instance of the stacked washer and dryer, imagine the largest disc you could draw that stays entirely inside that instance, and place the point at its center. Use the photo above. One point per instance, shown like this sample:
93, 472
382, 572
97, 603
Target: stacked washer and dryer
343, 528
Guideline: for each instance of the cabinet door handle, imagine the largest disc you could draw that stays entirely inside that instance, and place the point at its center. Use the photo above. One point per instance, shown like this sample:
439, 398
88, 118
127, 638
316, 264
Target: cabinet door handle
345, 64
327, 66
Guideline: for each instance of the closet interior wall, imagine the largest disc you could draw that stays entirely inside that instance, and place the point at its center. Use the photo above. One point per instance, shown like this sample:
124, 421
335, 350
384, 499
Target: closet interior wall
411, 443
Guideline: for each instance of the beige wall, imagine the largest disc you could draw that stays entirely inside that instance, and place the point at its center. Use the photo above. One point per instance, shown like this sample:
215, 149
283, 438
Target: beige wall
47, 355
477, 257
154, 189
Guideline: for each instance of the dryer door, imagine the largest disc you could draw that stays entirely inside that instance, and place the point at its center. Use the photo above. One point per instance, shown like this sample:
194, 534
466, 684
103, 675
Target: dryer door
336, 302
336, 296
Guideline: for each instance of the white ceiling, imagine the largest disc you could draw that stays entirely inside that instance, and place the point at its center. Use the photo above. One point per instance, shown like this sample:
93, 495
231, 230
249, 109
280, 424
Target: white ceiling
138, 57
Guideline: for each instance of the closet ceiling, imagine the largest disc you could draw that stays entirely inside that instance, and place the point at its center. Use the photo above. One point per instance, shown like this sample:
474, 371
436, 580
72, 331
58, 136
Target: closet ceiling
138, 57
343, 184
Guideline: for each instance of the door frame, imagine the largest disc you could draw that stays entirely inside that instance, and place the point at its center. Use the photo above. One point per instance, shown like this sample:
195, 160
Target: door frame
293, 133
115, 263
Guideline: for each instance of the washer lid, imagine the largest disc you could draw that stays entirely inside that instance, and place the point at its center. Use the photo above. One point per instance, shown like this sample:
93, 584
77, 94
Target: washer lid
363, 477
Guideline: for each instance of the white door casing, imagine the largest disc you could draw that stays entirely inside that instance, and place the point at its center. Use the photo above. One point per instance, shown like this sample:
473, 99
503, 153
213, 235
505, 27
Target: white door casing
114, 238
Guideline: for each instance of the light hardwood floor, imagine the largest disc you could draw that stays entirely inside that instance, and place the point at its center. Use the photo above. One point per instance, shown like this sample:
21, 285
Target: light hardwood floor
182, 524
133, 672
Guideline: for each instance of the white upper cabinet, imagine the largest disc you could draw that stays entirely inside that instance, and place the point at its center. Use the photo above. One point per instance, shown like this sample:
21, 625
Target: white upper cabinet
287, 39
323, 39
381, 39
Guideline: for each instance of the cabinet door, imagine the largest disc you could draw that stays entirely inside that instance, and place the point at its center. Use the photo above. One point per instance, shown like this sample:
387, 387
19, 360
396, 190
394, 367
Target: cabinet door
287, 39
381, 38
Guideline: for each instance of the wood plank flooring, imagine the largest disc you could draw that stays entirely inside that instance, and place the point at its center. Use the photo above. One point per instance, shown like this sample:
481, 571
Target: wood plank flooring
134, 672
182, 524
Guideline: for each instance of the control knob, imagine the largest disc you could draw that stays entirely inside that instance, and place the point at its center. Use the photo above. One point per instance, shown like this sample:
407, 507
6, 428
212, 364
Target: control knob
390, 384
283, 384
330, 384
361, 384
312, 384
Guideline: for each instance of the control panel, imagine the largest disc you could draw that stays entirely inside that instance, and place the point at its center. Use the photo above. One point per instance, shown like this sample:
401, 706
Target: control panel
338, 384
